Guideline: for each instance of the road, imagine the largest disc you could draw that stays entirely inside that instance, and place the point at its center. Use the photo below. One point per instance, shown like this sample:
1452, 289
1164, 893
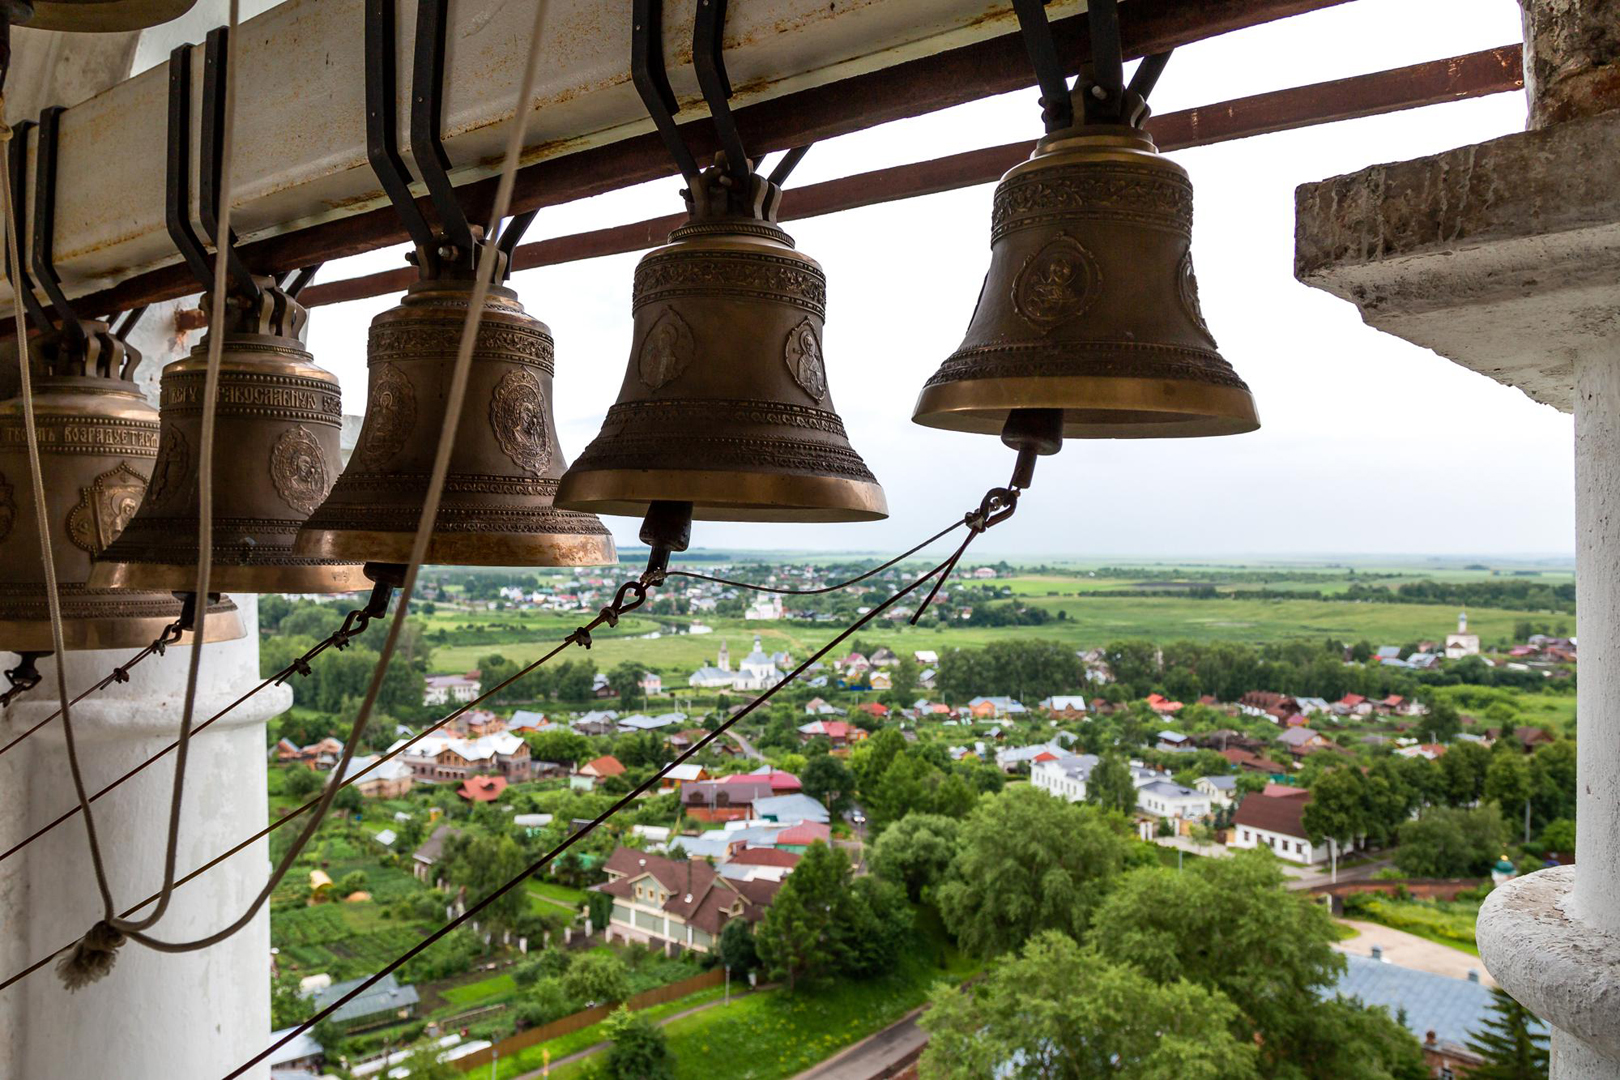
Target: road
1411, 951
1308, 879
745, 746
873, 1054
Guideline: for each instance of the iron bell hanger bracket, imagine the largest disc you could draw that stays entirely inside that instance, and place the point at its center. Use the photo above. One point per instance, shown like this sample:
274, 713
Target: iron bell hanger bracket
732, 186
1104, 95
74, 345
256, 303
450, 247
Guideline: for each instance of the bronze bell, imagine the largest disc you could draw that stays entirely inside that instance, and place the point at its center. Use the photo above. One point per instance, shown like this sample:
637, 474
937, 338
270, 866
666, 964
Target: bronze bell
97, 16
497, 507
97, 440
725, 404
1091, 305
278, 419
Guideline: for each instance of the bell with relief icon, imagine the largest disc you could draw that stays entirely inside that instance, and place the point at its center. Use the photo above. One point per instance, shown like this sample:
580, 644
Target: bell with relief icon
1090, 306
725, 404
496, 508
277, 421
97, 441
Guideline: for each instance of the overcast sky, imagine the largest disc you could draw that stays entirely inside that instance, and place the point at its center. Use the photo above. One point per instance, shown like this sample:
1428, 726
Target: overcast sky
1368, 444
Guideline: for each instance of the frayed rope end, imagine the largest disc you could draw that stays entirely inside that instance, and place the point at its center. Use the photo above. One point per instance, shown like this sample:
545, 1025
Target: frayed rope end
91, 958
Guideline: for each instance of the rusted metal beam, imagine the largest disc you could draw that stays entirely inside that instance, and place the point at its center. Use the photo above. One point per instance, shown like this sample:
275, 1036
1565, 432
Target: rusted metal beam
1492, 71
990, 67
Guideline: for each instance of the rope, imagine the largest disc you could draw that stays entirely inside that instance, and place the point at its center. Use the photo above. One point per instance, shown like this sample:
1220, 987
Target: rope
581, 636
489, 256
36, 478
118, 674
607, 814
902, 557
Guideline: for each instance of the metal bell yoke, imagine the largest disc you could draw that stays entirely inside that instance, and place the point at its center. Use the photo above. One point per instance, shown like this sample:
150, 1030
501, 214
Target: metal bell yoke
278, 415
725, 404
497, 503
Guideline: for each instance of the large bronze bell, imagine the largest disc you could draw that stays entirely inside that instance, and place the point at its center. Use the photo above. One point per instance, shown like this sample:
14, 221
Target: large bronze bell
97, 16
725, 403
1091, 305
497, 507
277, 422
97, 440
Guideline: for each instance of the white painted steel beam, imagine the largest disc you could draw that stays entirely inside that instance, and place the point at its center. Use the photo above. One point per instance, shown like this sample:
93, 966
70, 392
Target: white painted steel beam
300, 124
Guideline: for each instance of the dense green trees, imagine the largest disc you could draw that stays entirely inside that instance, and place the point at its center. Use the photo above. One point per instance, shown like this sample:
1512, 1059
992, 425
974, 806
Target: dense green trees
917, 851
828, 780
1111, 785
823, 923
1452, 842
597, 977
481, 863
737, 948
1028, 863
1028, 669
625, 680
1064, 1012
1510, 1044
639, 1050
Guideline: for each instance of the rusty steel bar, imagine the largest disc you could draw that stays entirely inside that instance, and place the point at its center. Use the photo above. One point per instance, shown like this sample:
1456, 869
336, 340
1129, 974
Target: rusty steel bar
1492, 71
940, 81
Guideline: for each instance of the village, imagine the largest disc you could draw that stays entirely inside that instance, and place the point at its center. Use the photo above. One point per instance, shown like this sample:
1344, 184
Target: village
1399, 809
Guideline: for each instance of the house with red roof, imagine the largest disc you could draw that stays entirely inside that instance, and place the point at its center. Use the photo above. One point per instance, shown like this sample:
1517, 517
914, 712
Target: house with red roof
482, 789
782, 783
680, 902
1251, 762
1163, 705
798, 838
839, 732
588, 775
730, 798
873, 708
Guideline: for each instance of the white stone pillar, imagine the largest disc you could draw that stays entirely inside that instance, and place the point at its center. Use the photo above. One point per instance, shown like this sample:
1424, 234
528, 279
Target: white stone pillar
1552, 939
156, 1016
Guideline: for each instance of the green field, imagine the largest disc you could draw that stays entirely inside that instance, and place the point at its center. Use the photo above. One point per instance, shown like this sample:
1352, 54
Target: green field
1090, 622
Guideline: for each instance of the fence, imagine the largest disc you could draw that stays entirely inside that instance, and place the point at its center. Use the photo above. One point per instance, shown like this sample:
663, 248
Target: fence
586, 1017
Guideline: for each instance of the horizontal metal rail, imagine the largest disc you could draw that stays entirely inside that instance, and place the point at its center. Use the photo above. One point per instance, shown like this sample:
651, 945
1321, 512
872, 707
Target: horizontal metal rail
1491, 71
572, 166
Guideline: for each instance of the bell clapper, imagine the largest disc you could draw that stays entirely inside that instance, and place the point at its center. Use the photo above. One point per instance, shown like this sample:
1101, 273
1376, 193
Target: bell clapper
1033, 433
666, 529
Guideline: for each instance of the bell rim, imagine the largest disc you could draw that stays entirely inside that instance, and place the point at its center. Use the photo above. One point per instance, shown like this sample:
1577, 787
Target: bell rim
724, 495
461, 548
93, 18
113, 632
311, 577
980, 406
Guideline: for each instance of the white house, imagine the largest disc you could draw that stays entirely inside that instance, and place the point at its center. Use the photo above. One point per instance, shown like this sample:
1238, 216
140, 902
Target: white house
1276, 822
1220, 789
1162, 798
1064, 776
766, 608
757, 670
443, 689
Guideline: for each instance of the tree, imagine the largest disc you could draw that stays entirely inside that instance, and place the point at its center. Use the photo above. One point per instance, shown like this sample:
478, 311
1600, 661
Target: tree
352, 882
1062, 1011
561, 746
1462, 769
597, 977
828, 780
1110, 784
639, 1050
916, 851
1029, 862
800, 939
300, 782
287, 1005
1512, 1049
348, 799
1507, 783
875, 923
1338, 807
737, 949
1352, 1041
481, 863
625, 680
1448, 842
1228, 925
424, 1064
1442, 722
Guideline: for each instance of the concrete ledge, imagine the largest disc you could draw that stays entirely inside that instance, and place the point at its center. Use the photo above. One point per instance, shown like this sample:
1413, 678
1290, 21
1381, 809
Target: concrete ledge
1503, 256
1560, 968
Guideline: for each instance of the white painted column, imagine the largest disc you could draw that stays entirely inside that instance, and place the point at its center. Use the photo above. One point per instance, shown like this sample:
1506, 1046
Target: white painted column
156, 1016
1552, 938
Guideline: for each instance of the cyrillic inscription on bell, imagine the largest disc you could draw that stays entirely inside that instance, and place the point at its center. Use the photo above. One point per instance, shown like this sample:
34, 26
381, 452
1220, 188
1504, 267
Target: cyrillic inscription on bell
497, 507
98, 439
278, 419
1090, 305
725, 404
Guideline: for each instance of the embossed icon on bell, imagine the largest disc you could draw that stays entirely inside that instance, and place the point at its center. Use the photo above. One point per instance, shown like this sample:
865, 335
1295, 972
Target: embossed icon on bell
278, 418
496, 509
725, 401
98, 439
